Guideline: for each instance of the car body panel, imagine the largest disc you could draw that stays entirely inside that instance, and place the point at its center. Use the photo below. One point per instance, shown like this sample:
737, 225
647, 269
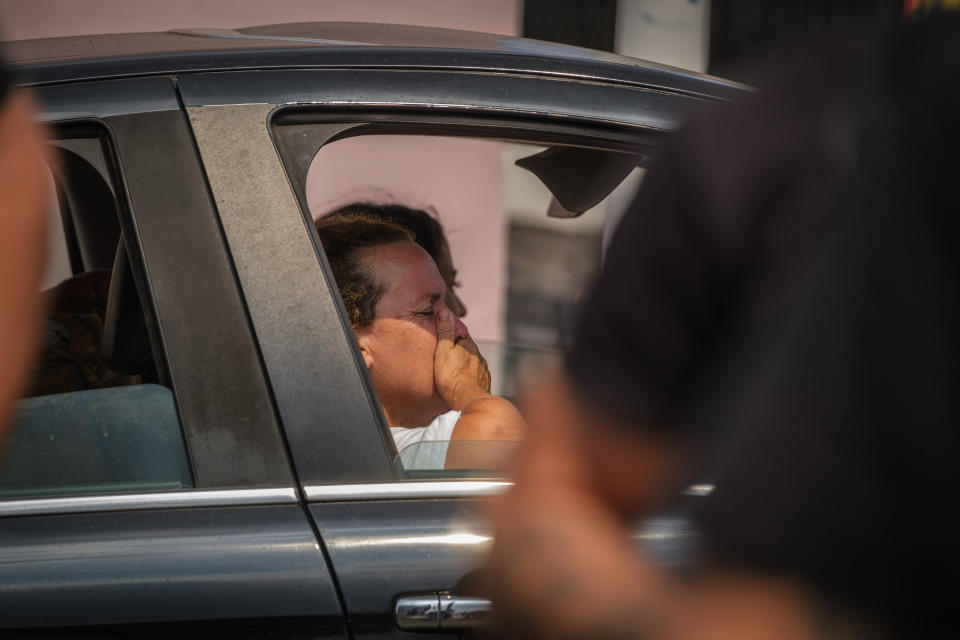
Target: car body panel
384, 549
72, 570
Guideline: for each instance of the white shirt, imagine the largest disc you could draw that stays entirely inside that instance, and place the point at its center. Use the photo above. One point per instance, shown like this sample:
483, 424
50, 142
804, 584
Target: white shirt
432, 441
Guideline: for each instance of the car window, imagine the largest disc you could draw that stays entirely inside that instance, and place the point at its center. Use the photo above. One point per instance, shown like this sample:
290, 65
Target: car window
508, 250
98, 415
521, 272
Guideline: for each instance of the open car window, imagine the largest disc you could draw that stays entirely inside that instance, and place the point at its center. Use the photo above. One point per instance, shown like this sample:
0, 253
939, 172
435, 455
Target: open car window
525, 215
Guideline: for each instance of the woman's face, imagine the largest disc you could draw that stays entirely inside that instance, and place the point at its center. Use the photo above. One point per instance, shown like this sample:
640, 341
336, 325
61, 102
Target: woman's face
449, 274
399, 346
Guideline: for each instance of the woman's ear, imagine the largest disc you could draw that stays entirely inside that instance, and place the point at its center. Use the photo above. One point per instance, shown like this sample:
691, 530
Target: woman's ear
364, 340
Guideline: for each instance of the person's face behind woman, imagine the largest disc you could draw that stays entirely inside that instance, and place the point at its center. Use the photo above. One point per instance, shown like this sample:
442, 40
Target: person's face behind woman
449, 274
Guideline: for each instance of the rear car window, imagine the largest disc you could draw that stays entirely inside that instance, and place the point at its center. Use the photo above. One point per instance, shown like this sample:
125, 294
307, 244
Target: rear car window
99, 415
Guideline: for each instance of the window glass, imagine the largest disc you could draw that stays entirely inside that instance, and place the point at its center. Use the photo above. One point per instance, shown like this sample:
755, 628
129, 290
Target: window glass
96, 417
522, 258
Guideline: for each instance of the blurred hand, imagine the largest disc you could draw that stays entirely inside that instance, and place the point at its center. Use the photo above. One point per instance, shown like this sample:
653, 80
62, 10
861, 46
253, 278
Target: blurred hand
460, 373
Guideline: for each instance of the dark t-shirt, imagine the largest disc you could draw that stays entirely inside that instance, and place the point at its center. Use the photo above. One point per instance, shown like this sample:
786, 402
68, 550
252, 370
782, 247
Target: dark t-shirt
785, 287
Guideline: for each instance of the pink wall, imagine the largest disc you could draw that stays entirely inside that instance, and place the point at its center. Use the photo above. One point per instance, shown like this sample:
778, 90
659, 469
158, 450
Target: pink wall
24, 19
463, 180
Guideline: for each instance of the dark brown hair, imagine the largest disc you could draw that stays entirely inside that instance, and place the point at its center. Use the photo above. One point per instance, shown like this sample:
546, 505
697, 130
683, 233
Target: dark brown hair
342, 238
426, 229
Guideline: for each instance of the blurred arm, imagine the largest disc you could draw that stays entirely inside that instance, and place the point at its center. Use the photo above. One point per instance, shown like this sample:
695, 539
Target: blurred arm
22, 245
563, 565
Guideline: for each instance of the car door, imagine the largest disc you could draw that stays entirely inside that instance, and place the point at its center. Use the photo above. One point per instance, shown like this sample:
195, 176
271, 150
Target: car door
166, 506
404, 550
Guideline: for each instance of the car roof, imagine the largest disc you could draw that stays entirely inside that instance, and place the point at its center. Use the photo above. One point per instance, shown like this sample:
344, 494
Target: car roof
334, 45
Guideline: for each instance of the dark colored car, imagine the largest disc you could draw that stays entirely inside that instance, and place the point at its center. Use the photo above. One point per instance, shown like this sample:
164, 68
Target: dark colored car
242, 479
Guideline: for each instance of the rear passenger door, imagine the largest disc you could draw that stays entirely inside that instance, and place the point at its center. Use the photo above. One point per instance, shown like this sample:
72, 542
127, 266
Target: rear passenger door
147, 486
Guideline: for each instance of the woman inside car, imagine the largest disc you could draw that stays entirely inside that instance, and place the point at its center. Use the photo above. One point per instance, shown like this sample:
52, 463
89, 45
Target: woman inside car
432, 383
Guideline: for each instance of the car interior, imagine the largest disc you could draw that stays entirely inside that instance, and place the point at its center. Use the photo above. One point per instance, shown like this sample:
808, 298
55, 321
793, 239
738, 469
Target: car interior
98, 416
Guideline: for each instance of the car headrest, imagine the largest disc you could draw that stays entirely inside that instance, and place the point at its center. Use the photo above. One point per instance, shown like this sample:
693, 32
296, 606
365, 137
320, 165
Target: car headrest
126, 341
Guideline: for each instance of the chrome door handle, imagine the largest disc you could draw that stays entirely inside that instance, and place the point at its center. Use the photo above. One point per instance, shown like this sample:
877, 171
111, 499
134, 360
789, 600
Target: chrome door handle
442, 612
418, 613
460, 612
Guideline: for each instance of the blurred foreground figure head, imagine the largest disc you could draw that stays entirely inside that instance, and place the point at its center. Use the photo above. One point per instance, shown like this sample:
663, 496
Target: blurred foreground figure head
22, 241
778, 317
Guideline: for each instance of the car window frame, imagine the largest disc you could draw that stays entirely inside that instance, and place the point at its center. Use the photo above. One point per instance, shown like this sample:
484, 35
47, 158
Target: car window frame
336, 126
354, 472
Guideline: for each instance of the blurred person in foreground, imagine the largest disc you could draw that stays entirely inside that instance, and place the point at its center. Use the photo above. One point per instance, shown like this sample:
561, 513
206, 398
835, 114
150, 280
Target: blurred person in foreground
431, 381
778, 314
427, 232
22, 241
